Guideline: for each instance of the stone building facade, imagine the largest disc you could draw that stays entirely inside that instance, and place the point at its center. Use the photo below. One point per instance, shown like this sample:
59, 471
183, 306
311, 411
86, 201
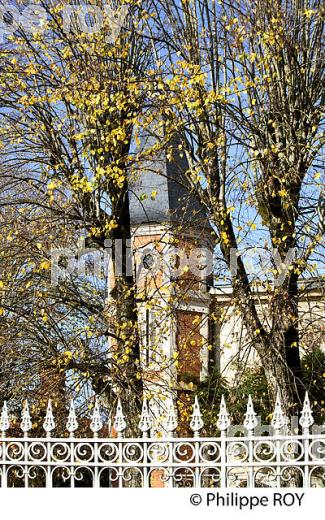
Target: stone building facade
170, 228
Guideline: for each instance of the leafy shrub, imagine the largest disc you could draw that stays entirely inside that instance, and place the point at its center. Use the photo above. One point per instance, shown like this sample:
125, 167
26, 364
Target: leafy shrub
252, 381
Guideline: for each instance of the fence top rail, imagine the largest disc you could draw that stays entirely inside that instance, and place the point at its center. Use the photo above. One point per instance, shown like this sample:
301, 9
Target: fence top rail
279, 423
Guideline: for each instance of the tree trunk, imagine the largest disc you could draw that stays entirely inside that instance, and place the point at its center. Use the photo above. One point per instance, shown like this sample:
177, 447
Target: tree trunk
127, 377
284, 337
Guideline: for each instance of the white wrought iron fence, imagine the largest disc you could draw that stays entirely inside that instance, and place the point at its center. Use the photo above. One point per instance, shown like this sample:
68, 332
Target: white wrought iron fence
278, 459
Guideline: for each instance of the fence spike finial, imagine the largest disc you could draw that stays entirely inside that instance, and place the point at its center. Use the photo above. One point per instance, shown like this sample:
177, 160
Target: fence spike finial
171, 421
223, 421
146, 422
96, 421
4, 419
250, 421
49, 423
306, 420
72, 423
119, 422
26, 423
279, 419
196, 423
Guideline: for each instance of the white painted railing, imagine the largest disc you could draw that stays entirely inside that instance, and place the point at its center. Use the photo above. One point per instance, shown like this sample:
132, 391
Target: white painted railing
277, 459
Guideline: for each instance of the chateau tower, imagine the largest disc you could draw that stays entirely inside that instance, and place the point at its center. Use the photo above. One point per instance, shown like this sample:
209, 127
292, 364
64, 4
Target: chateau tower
172, 258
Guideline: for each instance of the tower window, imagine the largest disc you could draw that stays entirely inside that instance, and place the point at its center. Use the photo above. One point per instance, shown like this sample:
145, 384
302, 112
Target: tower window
148, 261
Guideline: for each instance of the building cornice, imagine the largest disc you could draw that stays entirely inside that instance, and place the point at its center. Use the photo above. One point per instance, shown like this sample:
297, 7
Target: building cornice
307, 289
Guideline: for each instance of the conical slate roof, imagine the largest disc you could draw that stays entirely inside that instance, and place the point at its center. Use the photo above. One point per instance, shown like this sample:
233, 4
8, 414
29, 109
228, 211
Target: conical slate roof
160, 192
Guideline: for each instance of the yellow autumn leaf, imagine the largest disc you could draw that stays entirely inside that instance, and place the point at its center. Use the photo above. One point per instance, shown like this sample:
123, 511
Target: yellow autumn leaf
309, 13
51, 185
31, 69
45, 265
224, 237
